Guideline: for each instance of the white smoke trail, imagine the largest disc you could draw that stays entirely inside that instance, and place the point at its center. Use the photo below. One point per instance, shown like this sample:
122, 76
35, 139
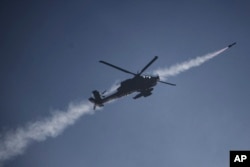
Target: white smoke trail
15, 143
178, 68
113, 88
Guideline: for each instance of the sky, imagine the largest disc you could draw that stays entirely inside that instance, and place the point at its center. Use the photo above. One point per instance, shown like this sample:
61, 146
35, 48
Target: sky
49, 60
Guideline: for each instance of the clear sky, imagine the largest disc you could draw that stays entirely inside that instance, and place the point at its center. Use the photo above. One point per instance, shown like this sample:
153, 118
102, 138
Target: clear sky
49, 53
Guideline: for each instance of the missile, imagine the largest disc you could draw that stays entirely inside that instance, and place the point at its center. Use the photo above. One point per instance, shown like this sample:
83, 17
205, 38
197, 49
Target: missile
229, 46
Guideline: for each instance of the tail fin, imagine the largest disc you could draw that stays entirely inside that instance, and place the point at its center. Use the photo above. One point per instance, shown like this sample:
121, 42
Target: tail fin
97, 95
97, 100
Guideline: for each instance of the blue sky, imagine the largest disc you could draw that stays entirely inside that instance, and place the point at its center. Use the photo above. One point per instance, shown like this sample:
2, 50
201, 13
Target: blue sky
49, 58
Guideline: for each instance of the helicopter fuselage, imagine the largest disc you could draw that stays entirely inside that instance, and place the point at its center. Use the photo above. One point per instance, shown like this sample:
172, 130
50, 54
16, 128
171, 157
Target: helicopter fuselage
139, 83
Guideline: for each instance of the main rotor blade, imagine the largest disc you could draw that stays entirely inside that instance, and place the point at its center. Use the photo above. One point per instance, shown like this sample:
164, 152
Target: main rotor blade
156, 57
167, 83
118, 68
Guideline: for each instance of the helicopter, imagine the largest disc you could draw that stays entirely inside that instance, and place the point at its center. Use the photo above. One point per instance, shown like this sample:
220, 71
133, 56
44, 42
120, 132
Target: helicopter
139, 83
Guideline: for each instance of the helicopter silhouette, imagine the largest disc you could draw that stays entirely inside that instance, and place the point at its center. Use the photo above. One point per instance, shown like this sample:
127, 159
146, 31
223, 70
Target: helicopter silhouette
139, 83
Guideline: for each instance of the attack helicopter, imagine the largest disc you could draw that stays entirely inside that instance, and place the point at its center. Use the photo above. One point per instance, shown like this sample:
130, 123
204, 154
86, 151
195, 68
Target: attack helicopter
139, 83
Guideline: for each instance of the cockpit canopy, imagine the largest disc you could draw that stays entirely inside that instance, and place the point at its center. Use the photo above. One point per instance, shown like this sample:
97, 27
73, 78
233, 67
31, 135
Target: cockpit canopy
147, 76
150, 77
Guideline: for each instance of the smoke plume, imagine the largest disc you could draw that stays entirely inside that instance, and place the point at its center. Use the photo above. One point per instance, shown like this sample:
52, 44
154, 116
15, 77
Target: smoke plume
113, 88
15, 142
174, 70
